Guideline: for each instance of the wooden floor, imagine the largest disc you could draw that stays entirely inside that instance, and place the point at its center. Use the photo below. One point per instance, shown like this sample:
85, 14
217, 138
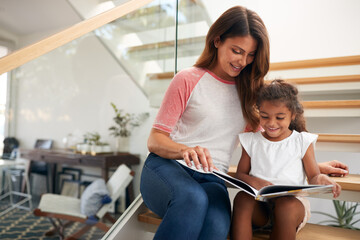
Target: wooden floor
319, 232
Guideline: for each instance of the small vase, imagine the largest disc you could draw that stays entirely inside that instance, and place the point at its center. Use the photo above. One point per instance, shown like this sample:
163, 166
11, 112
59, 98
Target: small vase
95, 149
122, 144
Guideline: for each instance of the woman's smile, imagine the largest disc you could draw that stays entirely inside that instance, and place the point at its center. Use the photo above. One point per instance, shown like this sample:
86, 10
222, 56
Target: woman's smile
234, 54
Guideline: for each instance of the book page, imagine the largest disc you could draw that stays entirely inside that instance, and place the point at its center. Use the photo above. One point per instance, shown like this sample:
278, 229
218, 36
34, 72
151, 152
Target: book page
237, 183
227, 178
288, 190
267, 192
201, 170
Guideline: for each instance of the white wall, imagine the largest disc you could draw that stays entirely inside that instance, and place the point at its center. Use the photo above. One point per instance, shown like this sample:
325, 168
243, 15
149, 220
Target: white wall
69, 90
8, 40
304, 29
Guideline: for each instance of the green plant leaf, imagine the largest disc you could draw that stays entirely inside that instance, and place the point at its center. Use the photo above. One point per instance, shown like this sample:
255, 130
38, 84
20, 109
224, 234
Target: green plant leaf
345, 212
329, 221
125, 122
353, 223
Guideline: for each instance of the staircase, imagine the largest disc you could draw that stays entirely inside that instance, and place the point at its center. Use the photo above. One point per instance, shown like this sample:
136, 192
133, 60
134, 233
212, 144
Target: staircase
309, 232
329, 100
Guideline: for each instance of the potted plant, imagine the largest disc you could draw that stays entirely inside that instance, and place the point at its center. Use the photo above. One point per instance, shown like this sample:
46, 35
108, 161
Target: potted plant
345, 213
93, 144
124, 123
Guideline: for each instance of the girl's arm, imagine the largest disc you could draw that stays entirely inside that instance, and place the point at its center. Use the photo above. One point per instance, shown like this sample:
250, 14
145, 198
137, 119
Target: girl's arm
243, 170
160, 143
313, 172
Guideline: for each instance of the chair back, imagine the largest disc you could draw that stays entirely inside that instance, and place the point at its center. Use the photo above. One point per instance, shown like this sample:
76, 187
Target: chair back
41, 167
43, 144
10, 144
116, 185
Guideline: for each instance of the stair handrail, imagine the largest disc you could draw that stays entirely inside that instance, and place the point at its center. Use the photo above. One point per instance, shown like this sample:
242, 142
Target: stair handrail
28, 53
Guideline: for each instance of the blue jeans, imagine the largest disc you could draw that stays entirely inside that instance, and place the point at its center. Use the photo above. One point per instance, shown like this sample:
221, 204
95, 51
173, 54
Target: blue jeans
193, 205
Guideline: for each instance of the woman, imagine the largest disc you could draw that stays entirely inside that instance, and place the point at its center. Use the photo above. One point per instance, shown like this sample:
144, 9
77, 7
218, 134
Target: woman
199, 121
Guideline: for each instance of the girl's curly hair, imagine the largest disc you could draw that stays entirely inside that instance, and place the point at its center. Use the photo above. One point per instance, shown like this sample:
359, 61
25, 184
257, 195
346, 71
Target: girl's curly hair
279, 90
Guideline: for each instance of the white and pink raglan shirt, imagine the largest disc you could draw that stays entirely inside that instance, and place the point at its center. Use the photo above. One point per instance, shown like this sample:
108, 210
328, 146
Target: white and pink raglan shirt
201, 109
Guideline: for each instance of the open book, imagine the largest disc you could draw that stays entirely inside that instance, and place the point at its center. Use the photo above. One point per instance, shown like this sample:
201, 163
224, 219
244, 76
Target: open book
268, 192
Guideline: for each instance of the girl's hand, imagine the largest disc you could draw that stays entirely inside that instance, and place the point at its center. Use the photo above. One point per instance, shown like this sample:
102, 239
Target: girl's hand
334, 168
323, 179
259, 183
200, 156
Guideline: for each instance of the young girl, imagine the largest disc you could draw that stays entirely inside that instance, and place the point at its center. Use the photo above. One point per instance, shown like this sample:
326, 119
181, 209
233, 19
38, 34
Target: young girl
282, 154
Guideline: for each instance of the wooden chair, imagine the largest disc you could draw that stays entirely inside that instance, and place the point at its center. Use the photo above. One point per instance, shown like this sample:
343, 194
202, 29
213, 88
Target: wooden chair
60, 208
41, 168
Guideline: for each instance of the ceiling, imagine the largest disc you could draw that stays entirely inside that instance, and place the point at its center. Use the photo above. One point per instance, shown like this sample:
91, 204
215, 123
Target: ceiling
24, 17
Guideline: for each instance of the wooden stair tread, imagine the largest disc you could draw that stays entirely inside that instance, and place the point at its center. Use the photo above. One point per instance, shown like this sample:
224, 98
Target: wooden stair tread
163, 44
160, 76
323, 80
299, 81
314, 63
339, 138
150, 10
331, 104
309, 232
350, 182
319, 232
149, 217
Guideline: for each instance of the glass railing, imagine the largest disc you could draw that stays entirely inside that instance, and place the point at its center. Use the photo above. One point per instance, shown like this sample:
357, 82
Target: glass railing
69, 89
88, 9
143, 42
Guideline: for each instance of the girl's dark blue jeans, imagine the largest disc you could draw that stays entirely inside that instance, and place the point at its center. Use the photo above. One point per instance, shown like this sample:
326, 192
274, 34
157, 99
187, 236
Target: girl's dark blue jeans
193, 205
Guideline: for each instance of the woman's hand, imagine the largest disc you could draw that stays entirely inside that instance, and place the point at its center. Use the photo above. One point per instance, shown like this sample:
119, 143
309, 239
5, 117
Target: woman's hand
334, 168
160, 143
323, 179
200, 157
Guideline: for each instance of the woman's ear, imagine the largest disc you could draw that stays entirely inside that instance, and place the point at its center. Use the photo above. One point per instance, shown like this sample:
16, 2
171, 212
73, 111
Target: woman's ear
217, 41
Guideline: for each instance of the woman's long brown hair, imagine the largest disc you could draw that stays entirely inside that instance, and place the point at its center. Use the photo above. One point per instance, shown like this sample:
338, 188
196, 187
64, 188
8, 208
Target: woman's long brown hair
239, 21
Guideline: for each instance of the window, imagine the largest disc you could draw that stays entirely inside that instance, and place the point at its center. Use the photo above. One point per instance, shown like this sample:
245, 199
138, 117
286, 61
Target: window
3, 97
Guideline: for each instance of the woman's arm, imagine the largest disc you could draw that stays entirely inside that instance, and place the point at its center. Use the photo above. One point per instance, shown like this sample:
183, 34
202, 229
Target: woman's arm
243, 170
160, 143
313, 172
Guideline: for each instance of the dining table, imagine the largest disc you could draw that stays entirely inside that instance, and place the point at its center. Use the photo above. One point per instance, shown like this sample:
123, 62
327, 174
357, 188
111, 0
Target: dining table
104, 161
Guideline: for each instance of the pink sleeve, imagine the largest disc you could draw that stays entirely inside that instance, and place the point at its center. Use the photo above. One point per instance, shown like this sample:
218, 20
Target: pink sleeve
176, 98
